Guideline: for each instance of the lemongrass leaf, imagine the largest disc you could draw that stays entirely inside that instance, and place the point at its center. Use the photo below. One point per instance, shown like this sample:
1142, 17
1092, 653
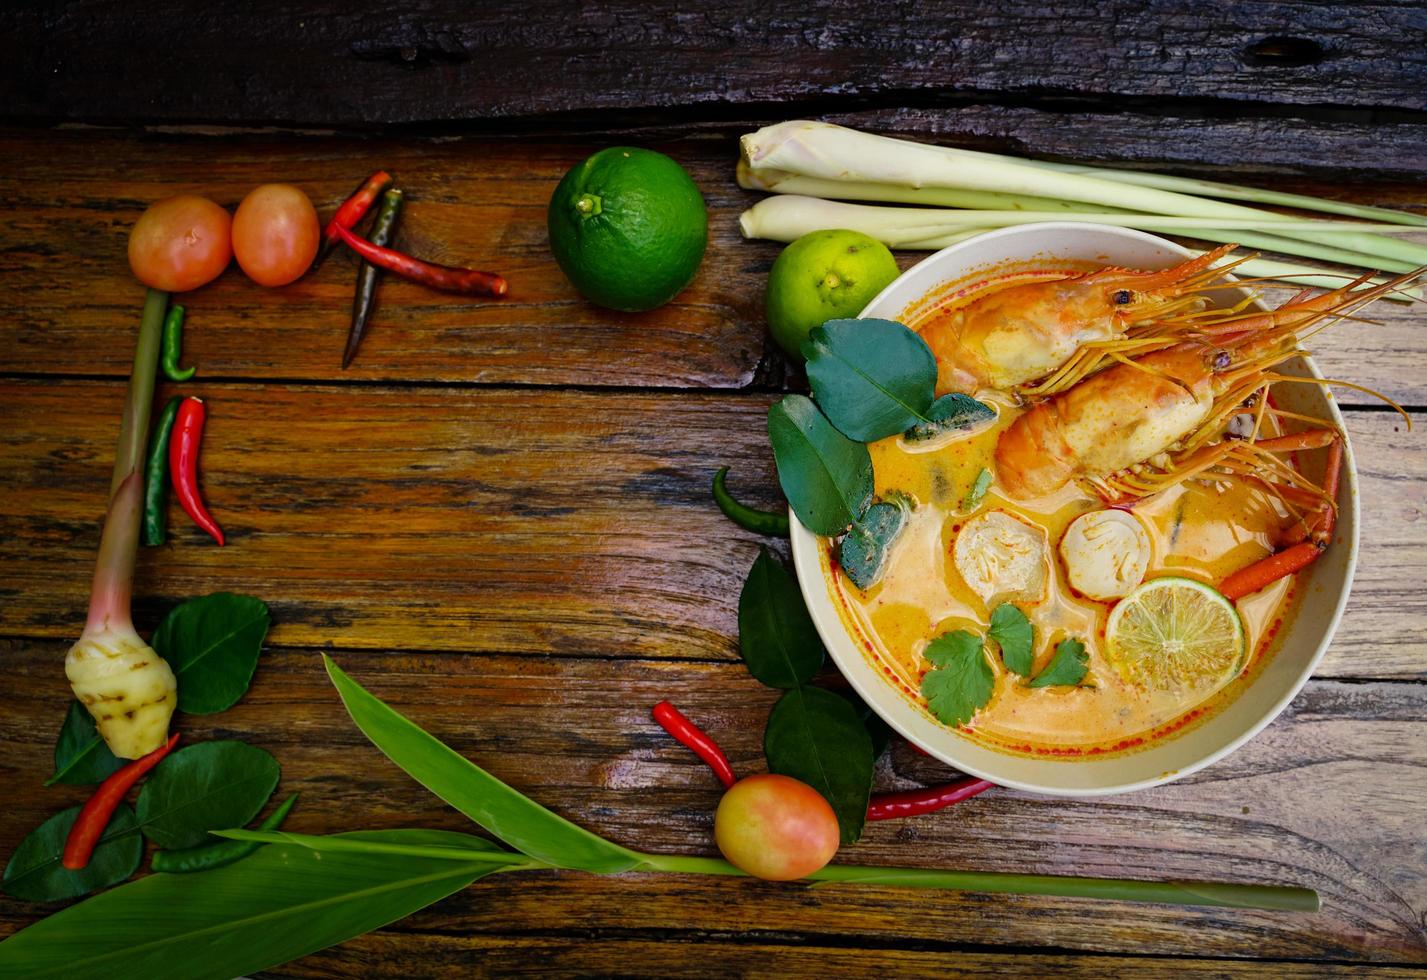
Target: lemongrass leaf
278, 904
513, 817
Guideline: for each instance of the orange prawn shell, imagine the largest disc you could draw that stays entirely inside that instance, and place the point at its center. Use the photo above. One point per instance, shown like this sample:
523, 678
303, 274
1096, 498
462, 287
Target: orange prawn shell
1117, 418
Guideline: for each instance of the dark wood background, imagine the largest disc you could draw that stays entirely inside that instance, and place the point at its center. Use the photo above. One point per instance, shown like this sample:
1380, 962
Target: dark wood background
499, 519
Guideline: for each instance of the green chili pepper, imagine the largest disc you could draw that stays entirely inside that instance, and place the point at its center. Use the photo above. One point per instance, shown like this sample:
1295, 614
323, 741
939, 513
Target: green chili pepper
173, 346
367, 274
771, 523
156, 476
221, 852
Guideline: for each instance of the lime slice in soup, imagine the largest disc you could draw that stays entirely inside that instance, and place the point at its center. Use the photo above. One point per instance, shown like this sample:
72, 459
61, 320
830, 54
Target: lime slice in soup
1172, 634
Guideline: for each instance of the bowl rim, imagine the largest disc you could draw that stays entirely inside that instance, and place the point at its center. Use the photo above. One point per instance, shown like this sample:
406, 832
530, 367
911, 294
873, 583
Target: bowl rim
805, 547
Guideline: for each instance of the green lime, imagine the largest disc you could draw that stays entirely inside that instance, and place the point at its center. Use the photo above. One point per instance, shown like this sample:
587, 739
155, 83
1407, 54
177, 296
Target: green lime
628, 227
1174, 633
825, 275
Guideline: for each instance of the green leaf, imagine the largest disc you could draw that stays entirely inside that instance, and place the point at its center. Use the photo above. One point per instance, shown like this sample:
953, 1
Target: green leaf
1066, 667
81, 757
212, 643
977, 492
513, 817
962, 681
826, 477
36, 874
873, 378
1013, 634
467, 849
878, 730
205, 787
817, 737
776, 636
281, 903
864, 551
954, 411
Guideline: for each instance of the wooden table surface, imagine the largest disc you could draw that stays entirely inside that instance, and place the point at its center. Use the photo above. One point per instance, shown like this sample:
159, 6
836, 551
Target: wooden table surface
499, 518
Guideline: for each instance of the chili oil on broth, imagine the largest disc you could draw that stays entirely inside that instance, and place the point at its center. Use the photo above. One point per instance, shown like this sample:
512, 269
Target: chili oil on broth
1199, 530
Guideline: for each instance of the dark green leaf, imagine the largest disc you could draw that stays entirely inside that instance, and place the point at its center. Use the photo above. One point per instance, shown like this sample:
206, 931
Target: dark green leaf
954, 411
212, 643
209, 786
281, 903
776, 635
962, 680
877, 729
81, 757
873, 378
826, 477
1013, 634
1066, 667
36, 874
513, 817
977, 493
817, 737
864, 551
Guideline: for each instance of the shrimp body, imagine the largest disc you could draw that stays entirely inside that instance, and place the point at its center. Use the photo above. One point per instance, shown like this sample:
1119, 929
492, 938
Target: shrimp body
1022, 333
1117, 418
1176, 398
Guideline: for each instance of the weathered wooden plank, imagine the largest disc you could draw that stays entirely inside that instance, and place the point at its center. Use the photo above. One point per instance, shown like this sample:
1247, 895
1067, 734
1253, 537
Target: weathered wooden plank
387, 953
442, 60
73, 305
1329, 797
513, 520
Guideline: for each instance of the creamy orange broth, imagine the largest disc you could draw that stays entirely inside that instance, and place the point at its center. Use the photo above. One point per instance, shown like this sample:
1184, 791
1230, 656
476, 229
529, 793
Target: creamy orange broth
1198, 530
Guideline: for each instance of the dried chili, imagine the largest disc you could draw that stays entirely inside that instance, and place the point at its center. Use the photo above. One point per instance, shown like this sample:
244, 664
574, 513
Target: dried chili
183, 465
368, 275
692, 737
173, 346
94, 816
156, 476
350, 211
447, 278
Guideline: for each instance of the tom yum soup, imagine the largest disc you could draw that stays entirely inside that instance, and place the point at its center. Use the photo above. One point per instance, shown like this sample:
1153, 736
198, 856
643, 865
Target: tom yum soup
1102, 552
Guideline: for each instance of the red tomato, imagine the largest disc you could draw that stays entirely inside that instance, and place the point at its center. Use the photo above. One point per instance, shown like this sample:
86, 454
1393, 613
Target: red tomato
180, 243
275, 234
775, 827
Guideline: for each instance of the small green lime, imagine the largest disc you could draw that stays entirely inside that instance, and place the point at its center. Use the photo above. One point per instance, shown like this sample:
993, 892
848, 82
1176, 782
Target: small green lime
628, 227
825, 275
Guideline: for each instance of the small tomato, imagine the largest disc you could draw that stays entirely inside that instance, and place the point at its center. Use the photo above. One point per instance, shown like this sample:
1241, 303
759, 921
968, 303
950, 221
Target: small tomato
180, 243
776, 828
275, 234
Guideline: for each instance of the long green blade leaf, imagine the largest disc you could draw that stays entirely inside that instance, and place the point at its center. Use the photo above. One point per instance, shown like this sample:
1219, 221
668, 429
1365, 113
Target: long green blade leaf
281, 903
513, 817
468, 849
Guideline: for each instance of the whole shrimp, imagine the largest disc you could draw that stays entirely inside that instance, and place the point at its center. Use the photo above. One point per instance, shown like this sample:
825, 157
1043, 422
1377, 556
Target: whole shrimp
1181, 398
1023, 333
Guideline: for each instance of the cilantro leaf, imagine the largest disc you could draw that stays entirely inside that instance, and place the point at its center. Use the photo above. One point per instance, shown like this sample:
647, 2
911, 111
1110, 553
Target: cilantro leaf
962, 680
1012, 632
1067, 667
974, 496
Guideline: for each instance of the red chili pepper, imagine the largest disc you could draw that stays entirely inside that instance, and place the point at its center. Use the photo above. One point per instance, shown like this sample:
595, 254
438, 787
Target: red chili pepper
693, 737
94, 816
183, 465
446, 278
913, 802
352, 210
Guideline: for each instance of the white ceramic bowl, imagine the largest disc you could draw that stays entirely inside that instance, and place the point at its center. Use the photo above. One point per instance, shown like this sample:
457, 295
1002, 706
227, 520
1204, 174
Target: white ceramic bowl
1302, 643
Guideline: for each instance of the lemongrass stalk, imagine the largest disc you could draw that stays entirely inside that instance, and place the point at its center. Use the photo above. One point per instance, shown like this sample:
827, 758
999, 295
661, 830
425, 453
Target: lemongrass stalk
786, 218
831, 152
1213, 188
124, 684
778, 182
1013, 883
